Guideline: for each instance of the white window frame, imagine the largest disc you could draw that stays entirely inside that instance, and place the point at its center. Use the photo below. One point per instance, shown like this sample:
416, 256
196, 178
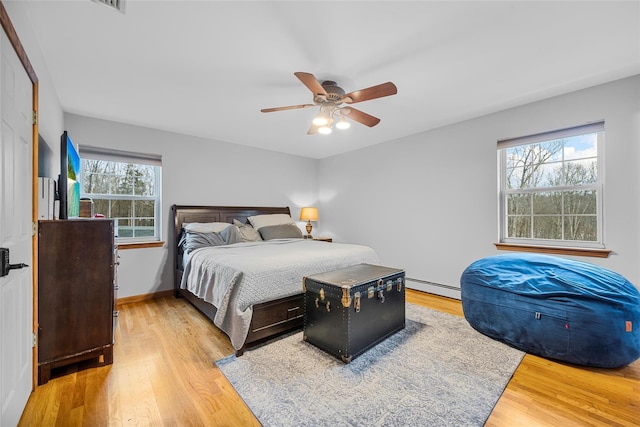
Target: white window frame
98, 153
504, 191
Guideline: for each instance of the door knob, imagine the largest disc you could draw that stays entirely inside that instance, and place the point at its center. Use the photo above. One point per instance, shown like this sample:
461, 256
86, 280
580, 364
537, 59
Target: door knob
5, 267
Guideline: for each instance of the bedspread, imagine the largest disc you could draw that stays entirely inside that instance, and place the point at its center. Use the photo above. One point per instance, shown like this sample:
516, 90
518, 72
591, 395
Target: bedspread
235, 277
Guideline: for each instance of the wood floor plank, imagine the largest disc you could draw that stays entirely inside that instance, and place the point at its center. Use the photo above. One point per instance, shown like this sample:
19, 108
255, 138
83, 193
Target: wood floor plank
164, 374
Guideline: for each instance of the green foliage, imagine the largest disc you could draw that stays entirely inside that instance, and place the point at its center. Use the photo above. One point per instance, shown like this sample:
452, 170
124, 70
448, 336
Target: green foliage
70, 172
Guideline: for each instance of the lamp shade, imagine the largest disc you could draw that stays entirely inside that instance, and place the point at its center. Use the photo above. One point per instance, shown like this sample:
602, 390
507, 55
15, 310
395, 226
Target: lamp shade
343, 124
320, 120
309, 214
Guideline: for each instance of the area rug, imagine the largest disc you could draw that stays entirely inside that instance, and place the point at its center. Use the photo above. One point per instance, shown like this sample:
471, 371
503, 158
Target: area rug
438, 371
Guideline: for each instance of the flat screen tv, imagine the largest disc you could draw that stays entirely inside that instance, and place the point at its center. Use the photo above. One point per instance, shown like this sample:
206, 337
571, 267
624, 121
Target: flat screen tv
68, 185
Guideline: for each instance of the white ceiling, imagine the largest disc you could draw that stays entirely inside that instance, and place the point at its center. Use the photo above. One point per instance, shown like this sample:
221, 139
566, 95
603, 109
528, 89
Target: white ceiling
206, 68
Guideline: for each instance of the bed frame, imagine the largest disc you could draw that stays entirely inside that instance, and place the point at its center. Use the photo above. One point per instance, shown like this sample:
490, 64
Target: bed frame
270, 318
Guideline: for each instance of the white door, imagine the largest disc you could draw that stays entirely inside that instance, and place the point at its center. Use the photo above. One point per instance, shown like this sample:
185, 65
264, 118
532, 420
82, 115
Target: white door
16, 293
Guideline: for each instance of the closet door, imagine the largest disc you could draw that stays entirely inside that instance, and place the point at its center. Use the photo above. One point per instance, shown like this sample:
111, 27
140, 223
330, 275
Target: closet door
16, 290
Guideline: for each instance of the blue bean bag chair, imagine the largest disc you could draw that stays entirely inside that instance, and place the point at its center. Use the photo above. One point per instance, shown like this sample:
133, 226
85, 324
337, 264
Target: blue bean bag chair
554, 307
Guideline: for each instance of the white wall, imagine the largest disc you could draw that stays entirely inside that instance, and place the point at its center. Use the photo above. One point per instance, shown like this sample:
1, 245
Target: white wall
197, 171
50, 120
428, 203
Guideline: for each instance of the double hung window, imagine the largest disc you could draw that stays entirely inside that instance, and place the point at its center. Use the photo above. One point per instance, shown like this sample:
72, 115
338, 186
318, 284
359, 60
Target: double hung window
126, 187
551, 188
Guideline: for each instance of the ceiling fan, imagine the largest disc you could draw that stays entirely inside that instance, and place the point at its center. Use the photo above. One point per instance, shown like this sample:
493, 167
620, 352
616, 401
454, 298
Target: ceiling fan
331, 99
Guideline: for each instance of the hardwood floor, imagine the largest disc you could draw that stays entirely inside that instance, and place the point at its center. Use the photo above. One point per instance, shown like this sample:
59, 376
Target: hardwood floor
547, 393
164, 375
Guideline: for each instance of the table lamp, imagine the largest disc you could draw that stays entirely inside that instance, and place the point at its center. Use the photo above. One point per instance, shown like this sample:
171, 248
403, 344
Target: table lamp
309, 214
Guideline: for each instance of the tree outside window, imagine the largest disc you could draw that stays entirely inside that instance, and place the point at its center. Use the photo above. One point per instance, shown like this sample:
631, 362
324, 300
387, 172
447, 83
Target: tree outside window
550, 189
125, 191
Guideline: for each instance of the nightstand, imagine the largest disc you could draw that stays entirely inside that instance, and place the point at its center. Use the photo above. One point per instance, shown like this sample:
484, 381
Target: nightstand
323, 239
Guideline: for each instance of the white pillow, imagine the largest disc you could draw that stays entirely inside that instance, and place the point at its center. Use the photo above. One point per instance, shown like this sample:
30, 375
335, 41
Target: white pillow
259, 221
205, 227
247, 232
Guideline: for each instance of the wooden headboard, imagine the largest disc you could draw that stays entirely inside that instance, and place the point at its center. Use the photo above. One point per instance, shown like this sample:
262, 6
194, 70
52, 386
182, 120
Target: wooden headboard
187, 214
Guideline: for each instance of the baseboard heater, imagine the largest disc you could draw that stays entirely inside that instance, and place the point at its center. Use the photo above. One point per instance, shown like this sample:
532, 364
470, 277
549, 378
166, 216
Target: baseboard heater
438, 285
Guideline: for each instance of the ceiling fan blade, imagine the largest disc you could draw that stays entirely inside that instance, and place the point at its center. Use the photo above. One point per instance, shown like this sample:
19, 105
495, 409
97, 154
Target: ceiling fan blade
311, 82
373, 92
359, 116
291, 107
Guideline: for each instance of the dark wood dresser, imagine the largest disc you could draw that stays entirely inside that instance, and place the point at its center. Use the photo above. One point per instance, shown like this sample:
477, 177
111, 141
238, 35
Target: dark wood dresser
77, 271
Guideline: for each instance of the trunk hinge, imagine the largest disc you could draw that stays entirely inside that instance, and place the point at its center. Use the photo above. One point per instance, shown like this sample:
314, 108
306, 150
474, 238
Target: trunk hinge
35, 117
35, 340
34, 228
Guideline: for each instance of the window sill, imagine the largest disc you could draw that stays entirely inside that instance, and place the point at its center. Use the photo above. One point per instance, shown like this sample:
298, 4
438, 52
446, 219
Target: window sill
139, 245
597, 253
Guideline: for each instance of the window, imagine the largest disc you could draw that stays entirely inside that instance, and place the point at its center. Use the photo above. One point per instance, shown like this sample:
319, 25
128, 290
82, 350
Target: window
551, 188
126, 187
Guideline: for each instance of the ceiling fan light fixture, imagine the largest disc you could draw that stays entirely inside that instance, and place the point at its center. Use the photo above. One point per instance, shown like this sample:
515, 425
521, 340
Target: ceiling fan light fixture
343, 124
320, 120
323, 118
324, 130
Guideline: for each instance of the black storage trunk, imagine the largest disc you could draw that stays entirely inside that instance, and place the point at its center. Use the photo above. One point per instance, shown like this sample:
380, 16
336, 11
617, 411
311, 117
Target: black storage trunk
350, 310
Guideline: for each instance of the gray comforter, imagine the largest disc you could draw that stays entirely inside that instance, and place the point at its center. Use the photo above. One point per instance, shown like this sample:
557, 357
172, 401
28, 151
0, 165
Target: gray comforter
235, 277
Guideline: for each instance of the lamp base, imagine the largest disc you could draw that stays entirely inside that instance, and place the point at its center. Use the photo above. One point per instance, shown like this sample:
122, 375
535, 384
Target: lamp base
307, 236
309, 227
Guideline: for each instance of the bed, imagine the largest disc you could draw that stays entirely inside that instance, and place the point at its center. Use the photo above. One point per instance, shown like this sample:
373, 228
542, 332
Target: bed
252, 291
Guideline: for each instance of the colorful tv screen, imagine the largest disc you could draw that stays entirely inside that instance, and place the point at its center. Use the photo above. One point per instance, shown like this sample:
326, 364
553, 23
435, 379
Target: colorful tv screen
69, 185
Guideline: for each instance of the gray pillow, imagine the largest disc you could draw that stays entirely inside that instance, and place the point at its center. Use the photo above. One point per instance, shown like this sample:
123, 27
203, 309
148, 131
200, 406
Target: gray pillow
192, 240
231, 235
247, 232
281, 231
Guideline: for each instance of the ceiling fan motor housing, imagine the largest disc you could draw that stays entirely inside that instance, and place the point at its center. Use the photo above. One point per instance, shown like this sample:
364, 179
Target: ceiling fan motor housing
334, 92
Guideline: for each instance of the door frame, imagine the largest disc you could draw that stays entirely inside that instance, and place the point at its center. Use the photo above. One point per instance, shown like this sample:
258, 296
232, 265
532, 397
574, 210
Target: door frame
10, 31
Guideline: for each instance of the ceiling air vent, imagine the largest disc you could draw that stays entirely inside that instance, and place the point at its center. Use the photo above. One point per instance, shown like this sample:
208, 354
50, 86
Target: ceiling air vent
114, 4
